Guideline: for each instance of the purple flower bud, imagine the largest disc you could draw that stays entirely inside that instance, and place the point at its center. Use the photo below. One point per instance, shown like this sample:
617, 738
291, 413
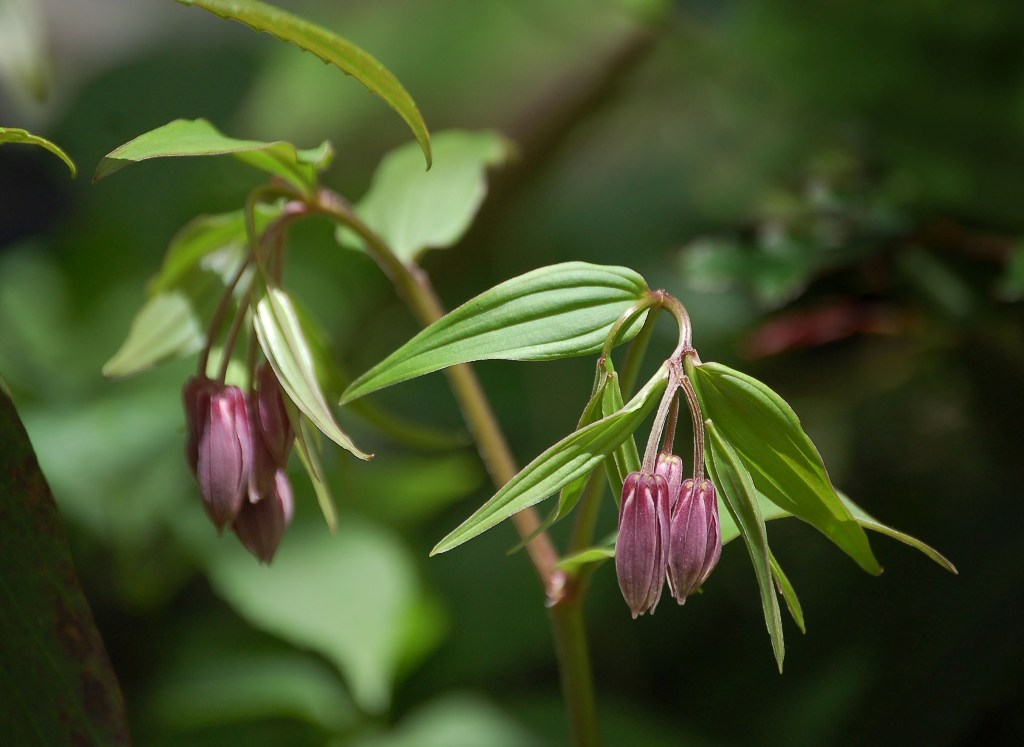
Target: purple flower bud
271, 419
696, 539
641, 547
196, 395
260, 525
223, 452
670, 467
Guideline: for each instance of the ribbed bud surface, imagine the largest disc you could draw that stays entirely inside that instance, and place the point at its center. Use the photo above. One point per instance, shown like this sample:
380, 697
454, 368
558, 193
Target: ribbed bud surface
695, 538
641, 547
261, 525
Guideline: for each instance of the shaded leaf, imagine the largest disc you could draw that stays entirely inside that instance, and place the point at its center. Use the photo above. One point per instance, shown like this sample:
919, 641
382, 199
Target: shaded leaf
14, 135
553, 312
330, 48
197, 137
414, 210
784, 464
572, 457
345, 595
788, 593
309, 456
572, 564
165, 327
285, 346
57, 685
734, 484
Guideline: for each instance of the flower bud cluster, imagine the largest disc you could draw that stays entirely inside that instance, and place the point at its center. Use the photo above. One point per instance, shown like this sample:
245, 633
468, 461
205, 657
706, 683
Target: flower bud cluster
238, 447
668, 529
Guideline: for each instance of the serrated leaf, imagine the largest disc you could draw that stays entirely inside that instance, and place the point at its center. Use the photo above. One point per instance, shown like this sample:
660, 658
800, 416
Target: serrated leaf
57, 685
557, 311
15, 135
330, 48
165, 327
197, 137
281, 338
414, 210
572, 457
734, 484
788, 593
781, 459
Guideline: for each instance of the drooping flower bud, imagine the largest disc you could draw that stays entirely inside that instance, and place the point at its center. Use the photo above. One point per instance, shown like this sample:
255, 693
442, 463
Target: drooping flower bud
272, 434
670, 467
196, 395
261, 525
642, 544
696, 538
223, 453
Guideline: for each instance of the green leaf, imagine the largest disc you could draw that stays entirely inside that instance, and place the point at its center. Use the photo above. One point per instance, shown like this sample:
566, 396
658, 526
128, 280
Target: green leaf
285, 346
14, 135
734, 484
346, 596
414, 210
330, 48
596, 555
781, 459
788, 593
770, 511
572, 457
310, 458
165, 327
625, 458
197, 137
553, 312
56, 680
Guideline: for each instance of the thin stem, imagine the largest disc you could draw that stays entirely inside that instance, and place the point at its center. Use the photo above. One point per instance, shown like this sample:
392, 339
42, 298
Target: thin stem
236, 327
218, 314
577, 678
635, 356
670, 426
698, 428
587, 512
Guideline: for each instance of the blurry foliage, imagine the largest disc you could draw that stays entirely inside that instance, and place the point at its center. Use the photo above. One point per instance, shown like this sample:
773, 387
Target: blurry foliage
834, 190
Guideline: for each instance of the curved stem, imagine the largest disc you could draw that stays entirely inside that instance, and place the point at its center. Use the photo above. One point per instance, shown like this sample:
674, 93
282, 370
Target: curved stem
218, 315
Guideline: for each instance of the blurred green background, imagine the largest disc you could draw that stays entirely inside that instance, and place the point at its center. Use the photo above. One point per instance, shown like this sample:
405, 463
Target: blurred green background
835, 190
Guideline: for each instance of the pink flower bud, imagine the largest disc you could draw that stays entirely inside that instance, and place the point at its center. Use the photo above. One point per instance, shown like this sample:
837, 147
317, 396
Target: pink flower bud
272, 416
641, 547
670, 467
696, 539
219, 421
261, 525
196, 395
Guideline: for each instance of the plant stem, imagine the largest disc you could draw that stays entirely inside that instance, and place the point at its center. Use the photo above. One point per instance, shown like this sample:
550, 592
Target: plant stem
574, 666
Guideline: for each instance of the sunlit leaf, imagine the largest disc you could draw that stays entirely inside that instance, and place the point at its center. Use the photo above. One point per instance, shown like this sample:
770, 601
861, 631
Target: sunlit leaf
14, 135
735, 486
57, 681
330, 48
557, 311
413, 210
197, 137
281, 338
572, 457
590, 556
165, 327
784, 464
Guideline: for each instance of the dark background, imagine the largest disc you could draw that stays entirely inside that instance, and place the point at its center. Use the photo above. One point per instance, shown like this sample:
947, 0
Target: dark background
836, 192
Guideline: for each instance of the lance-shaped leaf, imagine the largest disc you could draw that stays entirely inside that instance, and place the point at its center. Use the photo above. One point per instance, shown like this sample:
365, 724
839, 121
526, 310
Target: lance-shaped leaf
770, 511
413, 210
571, 458
558, 311
788, 593
165, 327
735, 486
625, 458
784, 464
197, 137
330, 48
285, 346
15, 135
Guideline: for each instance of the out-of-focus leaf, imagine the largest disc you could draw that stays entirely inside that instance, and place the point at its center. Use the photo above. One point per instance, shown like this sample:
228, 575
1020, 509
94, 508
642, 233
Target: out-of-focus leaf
284, 344
330, 48
734, 484
413, 210
57, 685
310, 458
572, 457
14, 135
454, 721
224, 687
197, 137
788, 593
784, 464
24, 57
344, 595
1011, 285
553, 312
165, 327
